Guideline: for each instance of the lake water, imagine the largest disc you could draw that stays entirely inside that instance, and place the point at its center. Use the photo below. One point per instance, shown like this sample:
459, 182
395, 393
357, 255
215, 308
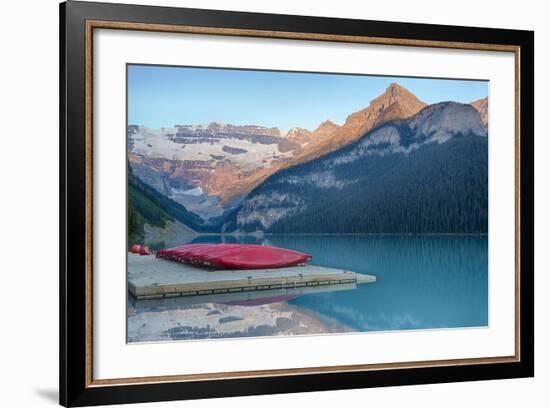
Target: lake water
423, 282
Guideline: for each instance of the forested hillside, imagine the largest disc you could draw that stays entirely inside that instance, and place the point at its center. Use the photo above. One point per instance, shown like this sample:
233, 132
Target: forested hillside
422, 175
146, 205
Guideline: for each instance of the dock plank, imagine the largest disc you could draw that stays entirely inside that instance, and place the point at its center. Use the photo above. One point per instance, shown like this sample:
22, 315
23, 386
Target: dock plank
150, 277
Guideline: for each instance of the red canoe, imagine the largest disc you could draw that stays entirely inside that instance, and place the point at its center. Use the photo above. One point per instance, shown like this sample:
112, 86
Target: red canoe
234, 256
140, 249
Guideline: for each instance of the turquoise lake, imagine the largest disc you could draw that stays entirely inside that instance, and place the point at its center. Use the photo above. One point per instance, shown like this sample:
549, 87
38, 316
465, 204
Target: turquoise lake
423, 282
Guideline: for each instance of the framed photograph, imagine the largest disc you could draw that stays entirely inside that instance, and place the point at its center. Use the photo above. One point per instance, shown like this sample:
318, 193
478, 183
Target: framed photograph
256, 203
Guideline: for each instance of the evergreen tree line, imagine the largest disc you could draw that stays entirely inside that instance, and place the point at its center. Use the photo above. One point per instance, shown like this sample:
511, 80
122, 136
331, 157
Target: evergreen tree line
439, 188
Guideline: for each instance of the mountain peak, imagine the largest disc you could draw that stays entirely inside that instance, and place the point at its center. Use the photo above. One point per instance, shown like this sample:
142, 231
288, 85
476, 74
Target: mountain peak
394, 87
395, 92
325, 129
327, 124
396, 102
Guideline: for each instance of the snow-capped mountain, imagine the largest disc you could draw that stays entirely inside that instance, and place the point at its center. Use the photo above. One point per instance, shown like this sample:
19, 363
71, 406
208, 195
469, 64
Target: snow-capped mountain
194, 164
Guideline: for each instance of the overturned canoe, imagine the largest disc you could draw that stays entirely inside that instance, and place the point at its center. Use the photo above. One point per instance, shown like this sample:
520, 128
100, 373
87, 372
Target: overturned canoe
140, 249
234, 256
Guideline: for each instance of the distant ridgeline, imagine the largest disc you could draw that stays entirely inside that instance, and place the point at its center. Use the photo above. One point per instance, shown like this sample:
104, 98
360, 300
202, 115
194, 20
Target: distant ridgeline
148, 206
424, 174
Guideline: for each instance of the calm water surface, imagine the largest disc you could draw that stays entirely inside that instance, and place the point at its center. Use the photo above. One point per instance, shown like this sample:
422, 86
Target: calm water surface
423, 282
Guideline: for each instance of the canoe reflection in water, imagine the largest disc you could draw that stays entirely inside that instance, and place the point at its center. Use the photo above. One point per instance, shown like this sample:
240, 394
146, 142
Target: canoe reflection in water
240, 314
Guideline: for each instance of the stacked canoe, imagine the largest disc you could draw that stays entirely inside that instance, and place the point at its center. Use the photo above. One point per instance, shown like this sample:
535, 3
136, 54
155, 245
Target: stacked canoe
234, 256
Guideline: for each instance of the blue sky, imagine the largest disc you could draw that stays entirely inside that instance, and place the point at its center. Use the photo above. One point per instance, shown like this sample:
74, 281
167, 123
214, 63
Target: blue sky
160, 96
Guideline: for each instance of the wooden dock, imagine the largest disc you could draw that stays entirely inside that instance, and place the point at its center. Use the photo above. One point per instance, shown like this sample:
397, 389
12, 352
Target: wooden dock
234, 298
150, 278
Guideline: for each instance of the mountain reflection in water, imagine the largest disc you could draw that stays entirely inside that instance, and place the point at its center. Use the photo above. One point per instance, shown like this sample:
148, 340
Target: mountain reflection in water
423, 282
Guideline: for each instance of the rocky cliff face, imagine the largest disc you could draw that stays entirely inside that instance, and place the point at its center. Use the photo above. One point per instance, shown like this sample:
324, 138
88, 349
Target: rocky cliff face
482, 106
